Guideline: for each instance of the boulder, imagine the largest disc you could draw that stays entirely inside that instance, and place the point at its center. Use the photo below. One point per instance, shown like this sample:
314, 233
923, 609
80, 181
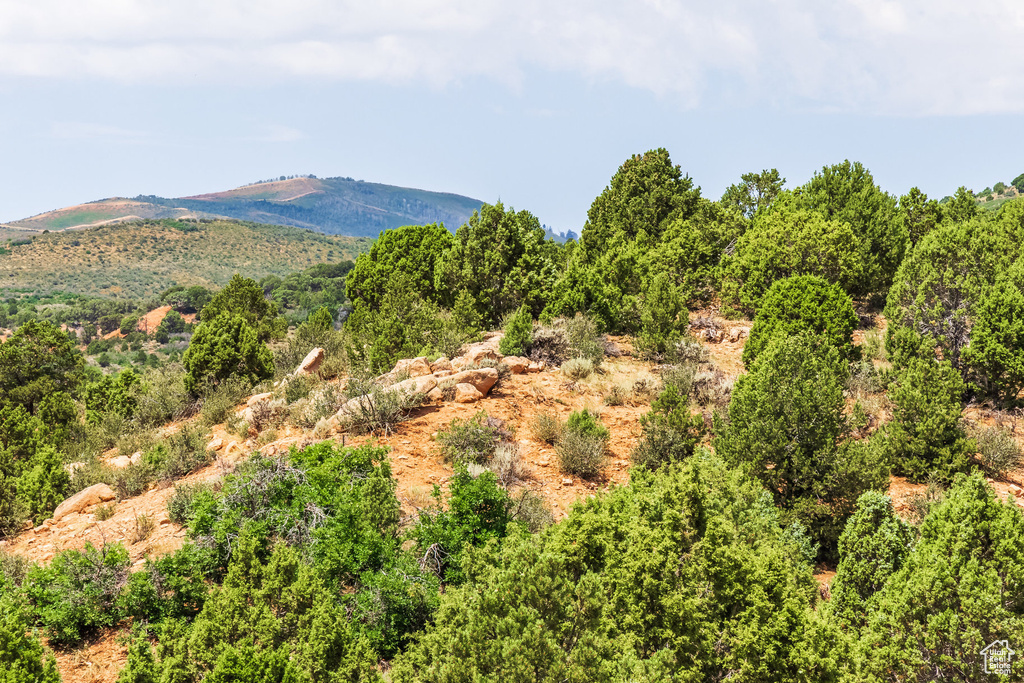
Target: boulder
435, 395
482, 379
416, 385
482, 351
256, 398
466, 393
311, 363
136, 457
441, 374
535, 367
414, 367
120, 462
215, 444
517, 365
95, 494
440, 365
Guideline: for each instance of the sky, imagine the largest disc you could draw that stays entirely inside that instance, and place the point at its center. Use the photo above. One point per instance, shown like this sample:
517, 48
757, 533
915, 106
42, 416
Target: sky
533, 103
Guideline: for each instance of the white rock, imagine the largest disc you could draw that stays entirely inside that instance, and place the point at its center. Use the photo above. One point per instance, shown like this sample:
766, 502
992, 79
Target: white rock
120, 462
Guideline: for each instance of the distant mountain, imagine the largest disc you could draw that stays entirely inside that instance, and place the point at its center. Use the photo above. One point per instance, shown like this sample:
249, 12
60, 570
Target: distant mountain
336, 206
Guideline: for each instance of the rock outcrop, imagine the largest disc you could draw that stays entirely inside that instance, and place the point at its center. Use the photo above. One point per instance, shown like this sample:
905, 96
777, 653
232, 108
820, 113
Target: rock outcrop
95, 494
311, 363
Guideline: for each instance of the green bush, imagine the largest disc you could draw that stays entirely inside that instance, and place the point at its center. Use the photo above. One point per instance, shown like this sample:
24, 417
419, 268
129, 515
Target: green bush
786, 241
44, 485
225, 347
22, 657
77, 594
786, 428
478, 510
518, 332
587, 422
872, 547
956, 593
663, 318
995, 357
670, 433
924, 437
798, 304
583, 339
685, 574
243, 297
473, 440
413, 250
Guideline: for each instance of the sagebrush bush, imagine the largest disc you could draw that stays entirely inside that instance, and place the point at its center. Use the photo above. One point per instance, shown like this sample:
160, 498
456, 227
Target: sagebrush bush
546, 427
507, 464
616, 396
577, 369
531, 511
132, 481
998, 451
218, 403
583, 339
381, 410
473, 440
581, 453
105, 512
550, 345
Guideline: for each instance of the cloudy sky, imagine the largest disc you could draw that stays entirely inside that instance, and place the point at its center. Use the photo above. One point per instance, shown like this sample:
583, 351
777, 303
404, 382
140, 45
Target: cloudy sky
535, 103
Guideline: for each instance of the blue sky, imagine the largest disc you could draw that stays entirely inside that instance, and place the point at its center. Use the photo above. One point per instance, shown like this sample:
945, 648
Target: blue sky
520, 101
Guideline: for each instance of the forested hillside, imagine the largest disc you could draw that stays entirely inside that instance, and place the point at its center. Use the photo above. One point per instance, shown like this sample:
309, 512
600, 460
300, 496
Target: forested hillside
144, 258
768, 437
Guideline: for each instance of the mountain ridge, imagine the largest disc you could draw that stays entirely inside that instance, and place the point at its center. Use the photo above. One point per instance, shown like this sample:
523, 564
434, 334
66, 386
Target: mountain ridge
334, 206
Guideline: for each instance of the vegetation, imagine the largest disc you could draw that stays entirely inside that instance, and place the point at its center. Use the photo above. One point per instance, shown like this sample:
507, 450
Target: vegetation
699, 566
151, 256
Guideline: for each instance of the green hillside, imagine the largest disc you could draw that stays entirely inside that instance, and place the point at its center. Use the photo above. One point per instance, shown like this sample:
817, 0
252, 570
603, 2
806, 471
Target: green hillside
336, 206
146, 257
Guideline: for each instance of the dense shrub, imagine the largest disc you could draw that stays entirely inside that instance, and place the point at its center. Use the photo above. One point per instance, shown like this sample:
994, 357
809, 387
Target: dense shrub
670, 433
958, 591
22, 657
502, 259
663, 318
587, 422
272, 619
35, 361
518, 333
243, 297
940, 284
224, 347
786, 428
785, 241
413, 250
78, 592
873, 547
995, 357
604, 596
803, 303
478, 510
924, 437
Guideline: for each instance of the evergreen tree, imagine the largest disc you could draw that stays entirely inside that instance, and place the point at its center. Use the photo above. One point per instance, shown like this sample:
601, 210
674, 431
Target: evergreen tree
226, 346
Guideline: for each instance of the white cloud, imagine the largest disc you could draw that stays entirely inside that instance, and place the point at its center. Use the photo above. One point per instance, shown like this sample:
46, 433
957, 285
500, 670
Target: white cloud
913, 57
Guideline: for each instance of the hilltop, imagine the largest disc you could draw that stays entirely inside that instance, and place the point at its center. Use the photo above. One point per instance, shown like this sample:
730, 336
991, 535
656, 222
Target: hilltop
336, 206
149, 256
